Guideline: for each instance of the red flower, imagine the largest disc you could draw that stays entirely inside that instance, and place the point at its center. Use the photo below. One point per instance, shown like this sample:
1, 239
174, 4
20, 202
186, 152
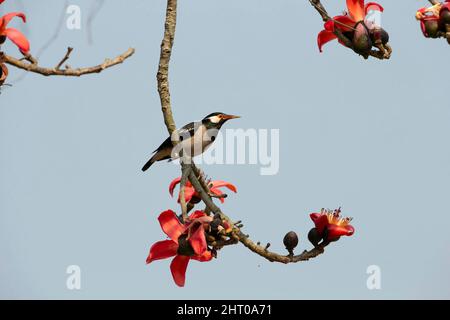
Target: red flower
13, 34
187, 241
430, 18
330, 226
348, 22
193, 197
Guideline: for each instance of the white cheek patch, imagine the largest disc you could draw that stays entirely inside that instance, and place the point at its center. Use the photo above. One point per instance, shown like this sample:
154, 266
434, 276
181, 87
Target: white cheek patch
214, 119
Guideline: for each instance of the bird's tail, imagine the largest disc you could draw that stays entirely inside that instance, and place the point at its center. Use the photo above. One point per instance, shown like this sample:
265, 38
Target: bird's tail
149, 163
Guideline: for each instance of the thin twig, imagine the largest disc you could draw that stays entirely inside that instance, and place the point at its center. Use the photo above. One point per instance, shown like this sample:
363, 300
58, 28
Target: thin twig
275, 257
69, 72
66, 57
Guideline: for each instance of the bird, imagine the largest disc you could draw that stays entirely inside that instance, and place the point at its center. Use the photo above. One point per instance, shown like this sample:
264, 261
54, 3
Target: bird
195, 138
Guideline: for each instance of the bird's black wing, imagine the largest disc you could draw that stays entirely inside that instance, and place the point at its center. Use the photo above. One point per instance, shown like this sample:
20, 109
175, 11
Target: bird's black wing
163, 151
188, 130
185, 132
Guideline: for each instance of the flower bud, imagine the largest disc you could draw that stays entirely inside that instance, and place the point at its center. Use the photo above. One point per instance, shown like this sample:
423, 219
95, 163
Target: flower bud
445, 16
379, 34
184, 247
290, 241
314, 237
431, 28
215, 224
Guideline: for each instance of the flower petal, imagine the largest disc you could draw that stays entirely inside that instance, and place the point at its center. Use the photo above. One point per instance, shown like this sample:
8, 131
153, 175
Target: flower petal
324, 37
171, 225
162, 250
9, 16
335, 231
422, 27
178, 268
329, 25
219, 183
356, 9
320, 221
373, 6
217, 192
189, 192
18, 39
205, 257
196, 214
173, 184
344, 23
197, 239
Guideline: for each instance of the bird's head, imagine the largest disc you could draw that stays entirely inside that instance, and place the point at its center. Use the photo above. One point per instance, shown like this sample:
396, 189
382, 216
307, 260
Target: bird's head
217, 119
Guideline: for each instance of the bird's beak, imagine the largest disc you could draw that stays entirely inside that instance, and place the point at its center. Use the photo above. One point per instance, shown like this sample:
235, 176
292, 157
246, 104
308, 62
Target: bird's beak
229, 116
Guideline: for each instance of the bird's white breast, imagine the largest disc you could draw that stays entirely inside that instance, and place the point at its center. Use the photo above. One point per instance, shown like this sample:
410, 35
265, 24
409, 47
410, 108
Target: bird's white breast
199, 142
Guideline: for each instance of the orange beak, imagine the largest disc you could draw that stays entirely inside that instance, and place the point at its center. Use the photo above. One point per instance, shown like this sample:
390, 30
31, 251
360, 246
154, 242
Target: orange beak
229, 116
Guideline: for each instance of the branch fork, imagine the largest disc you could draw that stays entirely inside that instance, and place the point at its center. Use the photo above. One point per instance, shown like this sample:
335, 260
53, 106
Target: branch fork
218, 238
30, 64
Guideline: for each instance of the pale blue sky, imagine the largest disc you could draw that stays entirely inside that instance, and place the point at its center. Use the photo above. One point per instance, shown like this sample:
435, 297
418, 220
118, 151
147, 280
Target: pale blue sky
370, 136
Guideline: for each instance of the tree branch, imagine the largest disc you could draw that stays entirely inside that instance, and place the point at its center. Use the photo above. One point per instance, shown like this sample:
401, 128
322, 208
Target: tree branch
163, 70
244, 239
275, 257
194, 175
434, 2
68, 72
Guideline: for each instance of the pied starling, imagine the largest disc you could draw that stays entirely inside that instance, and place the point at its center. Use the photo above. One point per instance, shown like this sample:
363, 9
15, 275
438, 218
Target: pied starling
194, 139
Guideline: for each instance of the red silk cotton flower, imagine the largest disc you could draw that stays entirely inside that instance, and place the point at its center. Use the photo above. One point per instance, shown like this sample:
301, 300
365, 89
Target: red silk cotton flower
187, 241
13, 34
352, 24
330, 226
191, 196
435, 20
